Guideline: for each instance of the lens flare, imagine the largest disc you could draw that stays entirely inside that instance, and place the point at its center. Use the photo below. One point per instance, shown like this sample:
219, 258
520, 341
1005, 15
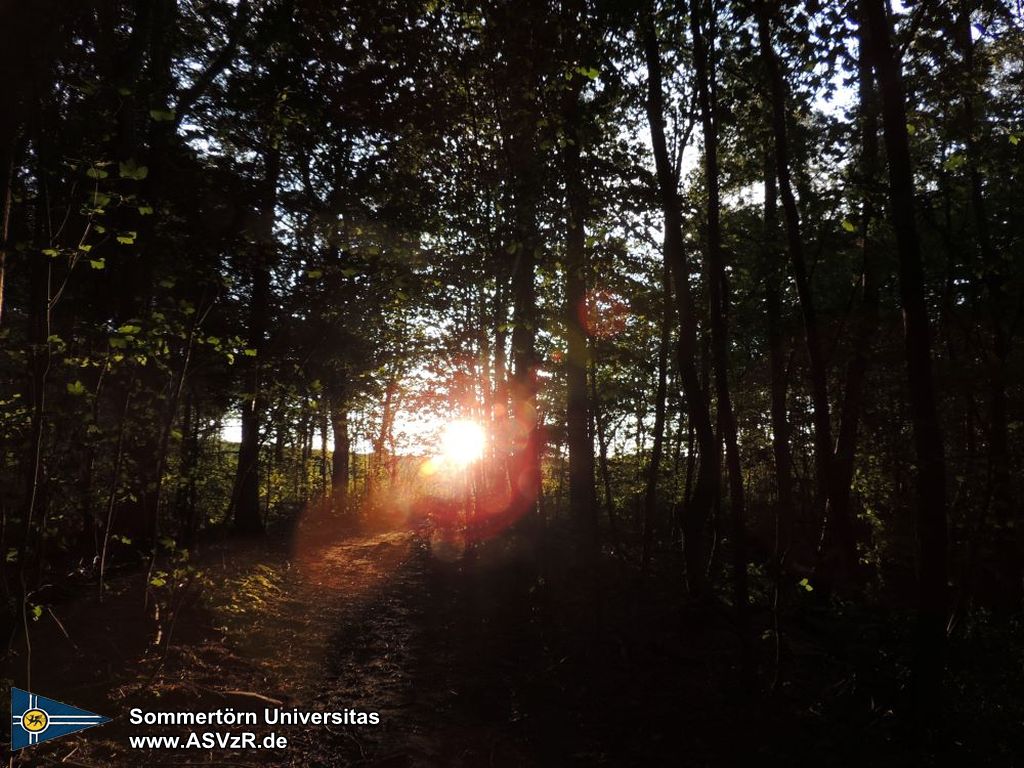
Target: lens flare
462, 442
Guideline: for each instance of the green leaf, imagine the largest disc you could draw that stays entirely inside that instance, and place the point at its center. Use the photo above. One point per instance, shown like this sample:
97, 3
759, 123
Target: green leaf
589, 72
145, 210
1014, 139
126, 238
37, 612
162, 115
313, 274
848, 226
96, 173
97, 263
249, 352
78, 388
156, 581
129, 330
51, 252
806, 585
911, 130
130, 170
953, 162
85, 247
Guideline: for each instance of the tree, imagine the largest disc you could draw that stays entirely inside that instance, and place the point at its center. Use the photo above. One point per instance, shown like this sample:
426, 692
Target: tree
928, 445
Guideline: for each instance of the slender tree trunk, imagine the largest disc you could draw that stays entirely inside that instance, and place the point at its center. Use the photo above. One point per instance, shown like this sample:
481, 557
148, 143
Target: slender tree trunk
325, 463
704, 67
582, 497
185, 499
660, 396
39, 360
1009, 553
526, 439
247, 517
867, 316
931, 473
386, 419
843, 532
340, 457
699, 508
781, 433
602, 450
500, 405
154, 490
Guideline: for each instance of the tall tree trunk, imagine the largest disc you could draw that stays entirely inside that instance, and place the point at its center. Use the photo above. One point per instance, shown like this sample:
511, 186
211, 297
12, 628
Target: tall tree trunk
1008, 552
867, 315
340, 457
928, 445
843, 531
500, 403
386, 420
185, 498
519, 127
325, 463
699, 508
582, 497
602, 450
781, 448
660, 396
704, 67
247, 519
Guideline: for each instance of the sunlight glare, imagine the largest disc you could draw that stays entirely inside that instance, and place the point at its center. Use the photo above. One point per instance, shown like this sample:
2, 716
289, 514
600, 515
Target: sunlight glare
462, 442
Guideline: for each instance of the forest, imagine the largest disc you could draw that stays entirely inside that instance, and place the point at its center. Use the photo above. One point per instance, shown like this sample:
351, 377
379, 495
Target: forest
566, 382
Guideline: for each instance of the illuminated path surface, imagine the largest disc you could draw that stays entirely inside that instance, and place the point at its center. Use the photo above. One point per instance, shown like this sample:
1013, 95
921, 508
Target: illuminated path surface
378, 638
469, 665
378, 623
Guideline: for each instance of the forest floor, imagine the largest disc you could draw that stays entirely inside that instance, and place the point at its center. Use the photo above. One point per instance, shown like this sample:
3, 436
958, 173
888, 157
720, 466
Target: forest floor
501, 659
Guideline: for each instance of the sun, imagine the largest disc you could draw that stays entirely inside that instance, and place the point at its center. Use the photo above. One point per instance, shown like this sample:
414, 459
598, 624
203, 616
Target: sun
462, 442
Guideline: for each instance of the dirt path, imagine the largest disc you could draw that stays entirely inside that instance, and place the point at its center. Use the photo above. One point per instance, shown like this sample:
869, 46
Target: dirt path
387, 630
469, 662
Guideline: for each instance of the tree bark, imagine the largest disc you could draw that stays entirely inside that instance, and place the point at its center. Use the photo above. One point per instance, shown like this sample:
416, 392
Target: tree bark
340, 457
840, 526
704, 67
602, 451
1008, 548
698, 509
520, 138
931, 473
660, 396
582, 497
247, 518
781, 448
867, 316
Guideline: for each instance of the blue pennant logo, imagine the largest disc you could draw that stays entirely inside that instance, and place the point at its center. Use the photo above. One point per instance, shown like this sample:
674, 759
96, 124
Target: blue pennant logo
35, 719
